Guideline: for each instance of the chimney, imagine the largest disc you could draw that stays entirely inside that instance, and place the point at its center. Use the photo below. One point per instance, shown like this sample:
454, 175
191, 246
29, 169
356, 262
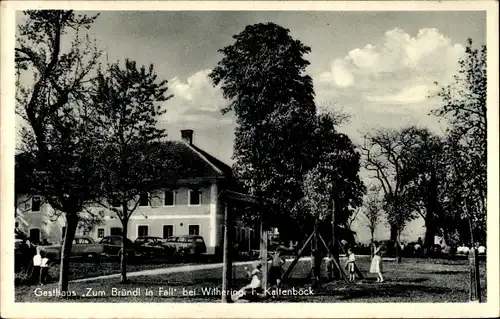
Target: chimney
187, 136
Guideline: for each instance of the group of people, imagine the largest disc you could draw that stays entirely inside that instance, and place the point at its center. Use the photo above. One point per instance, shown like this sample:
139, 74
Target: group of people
40, 272
32, 258
464, 249
254, 289
351, 267
34, 266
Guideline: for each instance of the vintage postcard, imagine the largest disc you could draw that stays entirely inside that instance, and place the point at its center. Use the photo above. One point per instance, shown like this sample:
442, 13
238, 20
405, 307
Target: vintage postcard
249, 159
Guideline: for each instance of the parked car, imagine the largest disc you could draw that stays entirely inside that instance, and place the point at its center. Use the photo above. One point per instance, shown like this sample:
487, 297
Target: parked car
187, 245
112, 247
83, 247
152, 246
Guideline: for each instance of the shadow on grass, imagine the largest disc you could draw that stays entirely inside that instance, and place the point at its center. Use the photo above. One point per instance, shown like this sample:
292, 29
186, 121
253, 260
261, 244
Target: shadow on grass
413, 280
390, 290
448, 272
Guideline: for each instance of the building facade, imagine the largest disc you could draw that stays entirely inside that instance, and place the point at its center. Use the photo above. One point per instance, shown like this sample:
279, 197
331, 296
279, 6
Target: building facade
194, 207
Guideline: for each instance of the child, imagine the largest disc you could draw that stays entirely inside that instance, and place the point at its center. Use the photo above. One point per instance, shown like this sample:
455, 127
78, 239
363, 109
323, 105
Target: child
350, 265
44, 268
37, 261
276, 270
255, 286
376, 267
329, 266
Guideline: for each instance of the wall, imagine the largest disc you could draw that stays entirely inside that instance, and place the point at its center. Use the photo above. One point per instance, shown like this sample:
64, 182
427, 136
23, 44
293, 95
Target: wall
209, 215
180, 226
46, 220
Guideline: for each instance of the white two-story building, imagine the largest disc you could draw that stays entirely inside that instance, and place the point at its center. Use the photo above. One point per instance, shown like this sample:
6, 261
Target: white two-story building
194, 207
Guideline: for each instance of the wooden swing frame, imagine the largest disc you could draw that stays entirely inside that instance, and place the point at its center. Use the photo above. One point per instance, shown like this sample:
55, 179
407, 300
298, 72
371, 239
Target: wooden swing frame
315, 234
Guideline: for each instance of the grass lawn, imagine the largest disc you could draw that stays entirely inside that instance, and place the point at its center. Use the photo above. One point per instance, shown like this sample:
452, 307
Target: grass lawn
415, 280
83, 269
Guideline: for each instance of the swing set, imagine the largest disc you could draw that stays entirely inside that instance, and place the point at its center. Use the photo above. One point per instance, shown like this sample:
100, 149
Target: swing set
316, 235
232, 198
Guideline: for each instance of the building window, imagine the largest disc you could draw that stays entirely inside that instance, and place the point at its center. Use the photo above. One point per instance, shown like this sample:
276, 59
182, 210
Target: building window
115, 231
100, 232
243, 233
35, 235
63, 232
194, 229
36, 202
144, 199
168, 231
169, 198
142, 230
194, 197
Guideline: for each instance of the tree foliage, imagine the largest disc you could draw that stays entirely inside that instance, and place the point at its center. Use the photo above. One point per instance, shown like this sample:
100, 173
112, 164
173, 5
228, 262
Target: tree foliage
52, 87
372, 209
262, 74
383, 157
464, 108
128, 104
335, 177
423, 174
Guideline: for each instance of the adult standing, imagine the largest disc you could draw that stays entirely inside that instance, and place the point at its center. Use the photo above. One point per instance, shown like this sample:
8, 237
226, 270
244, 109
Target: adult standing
376, 265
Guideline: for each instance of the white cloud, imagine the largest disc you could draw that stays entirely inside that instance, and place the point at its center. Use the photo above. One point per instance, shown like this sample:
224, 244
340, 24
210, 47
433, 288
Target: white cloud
408, 95
400, 69
198, 91
193, 99
339, 74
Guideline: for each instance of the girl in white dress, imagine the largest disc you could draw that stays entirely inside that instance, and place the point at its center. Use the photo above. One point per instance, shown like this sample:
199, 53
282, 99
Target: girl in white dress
376, 267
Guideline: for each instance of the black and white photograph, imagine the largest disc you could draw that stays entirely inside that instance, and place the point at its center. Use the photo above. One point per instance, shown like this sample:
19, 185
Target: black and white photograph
204, 154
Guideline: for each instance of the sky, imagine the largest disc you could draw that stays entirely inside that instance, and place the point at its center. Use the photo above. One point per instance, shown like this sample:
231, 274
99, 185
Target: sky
380, 67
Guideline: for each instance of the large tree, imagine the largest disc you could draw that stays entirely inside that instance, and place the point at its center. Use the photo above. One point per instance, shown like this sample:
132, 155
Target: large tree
464, 108
135, 163
372, 211
54, 62
333, 184
262, 74
423, 172
383, 157
335, 175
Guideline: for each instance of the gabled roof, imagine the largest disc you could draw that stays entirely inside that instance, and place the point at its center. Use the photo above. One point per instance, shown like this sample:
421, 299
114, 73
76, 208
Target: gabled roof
196, 163
240, 197
192, 162
216, 163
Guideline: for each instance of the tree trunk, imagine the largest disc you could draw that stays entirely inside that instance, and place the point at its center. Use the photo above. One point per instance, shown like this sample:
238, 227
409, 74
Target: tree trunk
431, 213
335, 246
71, 224
263, 252
316, 264
399, 253
394, 232
475, 281
372, 239
227, 264
430, 231
123, 258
